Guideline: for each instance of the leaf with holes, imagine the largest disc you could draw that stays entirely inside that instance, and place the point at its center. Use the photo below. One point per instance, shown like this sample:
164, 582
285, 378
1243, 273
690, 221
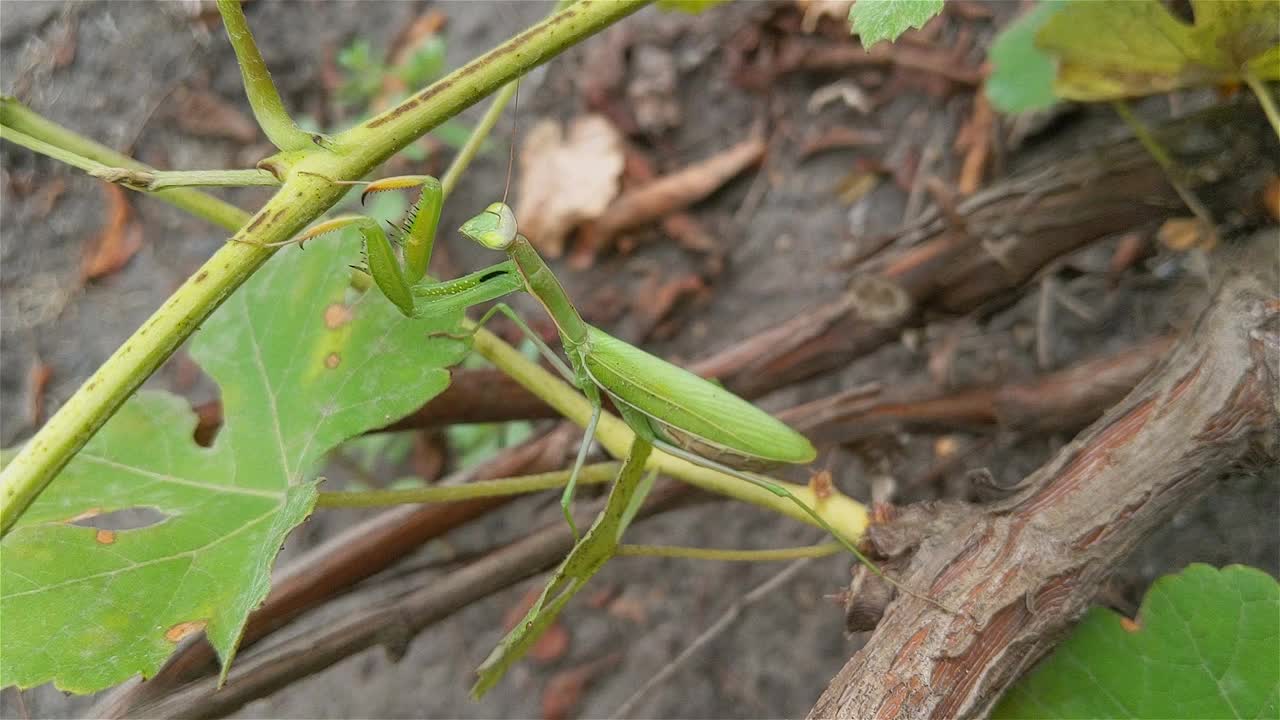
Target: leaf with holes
1111, 50
303, 364
876, 20
1203, 646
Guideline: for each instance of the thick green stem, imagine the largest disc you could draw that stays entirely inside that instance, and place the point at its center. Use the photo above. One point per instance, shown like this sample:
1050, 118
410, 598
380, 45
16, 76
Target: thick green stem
306, 193
265, 100
156, 180
591, 474
18, 117
846, 515
693, 553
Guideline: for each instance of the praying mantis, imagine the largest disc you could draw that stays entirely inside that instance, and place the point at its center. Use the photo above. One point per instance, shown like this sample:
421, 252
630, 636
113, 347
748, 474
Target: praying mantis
666, 407
671, 408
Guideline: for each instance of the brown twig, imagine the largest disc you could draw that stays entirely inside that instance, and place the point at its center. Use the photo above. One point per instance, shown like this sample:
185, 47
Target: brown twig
672, 192
799, 54
1027, 567
1057, 402
1011, 231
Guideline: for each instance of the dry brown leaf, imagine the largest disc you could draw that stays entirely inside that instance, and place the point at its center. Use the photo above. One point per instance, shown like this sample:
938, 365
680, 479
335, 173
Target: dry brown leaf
119, 240
567, 179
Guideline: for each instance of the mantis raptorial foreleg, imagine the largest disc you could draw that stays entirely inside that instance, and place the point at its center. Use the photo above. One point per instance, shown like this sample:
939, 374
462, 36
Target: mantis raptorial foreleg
417, 239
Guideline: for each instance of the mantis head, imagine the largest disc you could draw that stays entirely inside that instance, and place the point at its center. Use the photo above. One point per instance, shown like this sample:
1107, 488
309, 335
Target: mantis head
495, 228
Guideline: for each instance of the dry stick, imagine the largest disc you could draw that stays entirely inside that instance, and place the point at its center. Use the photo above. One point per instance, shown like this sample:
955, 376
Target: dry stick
1066, 400
1027, 567
723, 623
1011, 230
392, 624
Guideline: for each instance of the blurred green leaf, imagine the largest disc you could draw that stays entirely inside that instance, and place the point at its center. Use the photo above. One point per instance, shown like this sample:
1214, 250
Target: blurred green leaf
1022, 77
1204, 646
1112, 50
303, 364
425, 64
876, 20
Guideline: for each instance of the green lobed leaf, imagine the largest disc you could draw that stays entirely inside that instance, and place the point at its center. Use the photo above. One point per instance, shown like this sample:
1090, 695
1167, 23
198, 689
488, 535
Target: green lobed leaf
876, 20
1112, 50
1205, 646
303, 364
1022, 75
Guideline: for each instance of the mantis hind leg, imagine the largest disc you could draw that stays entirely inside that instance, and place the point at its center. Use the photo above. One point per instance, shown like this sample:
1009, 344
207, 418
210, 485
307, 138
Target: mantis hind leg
589, 433
780, 491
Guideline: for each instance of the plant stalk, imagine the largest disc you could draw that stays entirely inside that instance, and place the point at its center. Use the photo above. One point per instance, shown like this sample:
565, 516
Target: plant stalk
694, 553
18, 117
268, 108
591, 474
1268, 103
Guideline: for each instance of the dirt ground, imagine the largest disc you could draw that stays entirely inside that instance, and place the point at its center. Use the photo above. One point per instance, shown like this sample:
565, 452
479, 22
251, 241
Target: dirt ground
130, 67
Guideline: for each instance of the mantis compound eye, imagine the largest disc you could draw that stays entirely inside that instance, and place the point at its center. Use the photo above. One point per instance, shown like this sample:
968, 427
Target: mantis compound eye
495, 228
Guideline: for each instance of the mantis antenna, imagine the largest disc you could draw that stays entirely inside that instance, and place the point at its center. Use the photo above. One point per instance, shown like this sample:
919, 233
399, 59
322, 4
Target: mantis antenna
511, 147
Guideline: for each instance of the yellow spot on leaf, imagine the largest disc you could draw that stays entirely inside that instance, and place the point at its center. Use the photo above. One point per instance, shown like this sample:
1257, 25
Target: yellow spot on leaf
105, 537
337, 315
183, 629
332, 360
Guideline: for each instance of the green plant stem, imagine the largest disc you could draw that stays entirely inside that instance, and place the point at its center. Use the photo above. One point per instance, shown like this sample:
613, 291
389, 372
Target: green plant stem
519, 485
846, 515
265, 100
1166, 163
1259, 89
19, 118
693, 553
60, 154
304, 196
156, 180
478, 134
